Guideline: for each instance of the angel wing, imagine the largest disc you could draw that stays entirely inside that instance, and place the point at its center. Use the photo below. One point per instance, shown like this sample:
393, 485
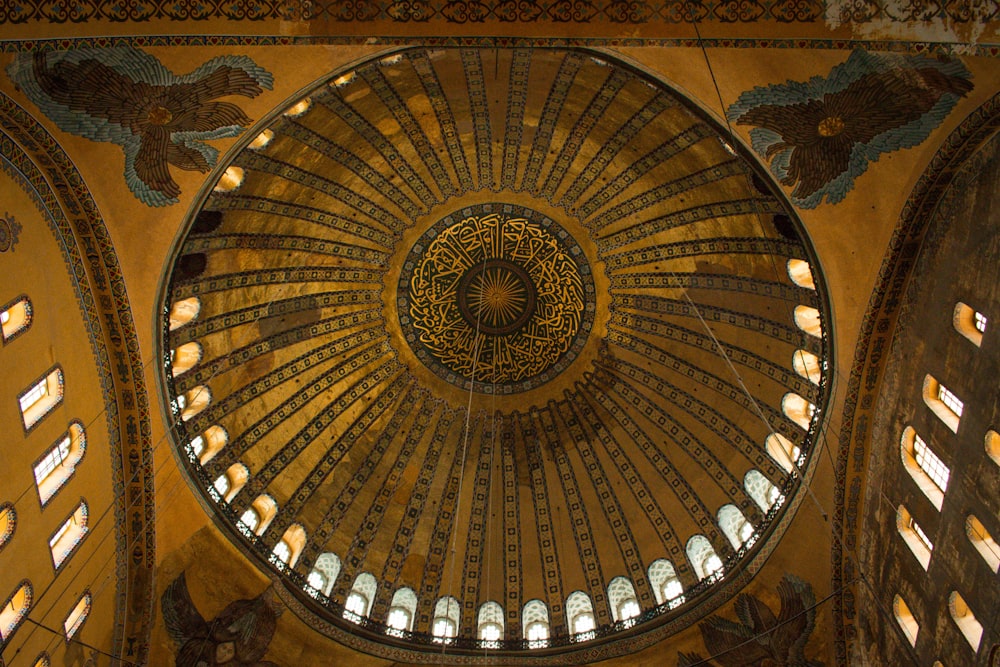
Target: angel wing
180, 616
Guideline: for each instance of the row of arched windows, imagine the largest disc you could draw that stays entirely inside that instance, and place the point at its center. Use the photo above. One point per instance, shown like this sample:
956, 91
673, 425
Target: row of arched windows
16, 609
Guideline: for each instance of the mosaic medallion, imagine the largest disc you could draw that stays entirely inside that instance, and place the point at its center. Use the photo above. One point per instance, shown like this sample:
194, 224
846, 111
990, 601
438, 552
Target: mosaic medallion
496, 294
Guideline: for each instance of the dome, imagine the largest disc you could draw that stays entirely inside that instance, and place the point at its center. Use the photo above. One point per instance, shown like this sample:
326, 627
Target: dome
493, 352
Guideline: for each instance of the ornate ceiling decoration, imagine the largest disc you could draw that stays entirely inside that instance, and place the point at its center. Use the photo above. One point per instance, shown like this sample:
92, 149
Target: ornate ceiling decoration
500, 325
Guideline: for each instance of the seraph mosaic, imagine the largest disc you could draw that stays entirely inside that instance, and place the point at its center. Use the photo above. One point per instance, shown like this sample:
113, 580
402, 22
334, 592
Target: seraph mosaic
126, 96
761, 638
820, 135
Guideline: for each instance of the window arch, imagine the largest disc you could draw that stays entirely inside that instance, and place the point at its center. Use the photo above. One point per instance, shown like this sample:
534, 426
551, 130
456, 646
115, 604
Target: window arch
402, 609
943, 402
324, 573
69, 535
624, 601
993, 446
535, 621
969, 322
807, 365
262, 139
783, 451
704, 560
193, 401
927, 470
185, 357
290, 546
184, 311
231, 179
15, 609
580, 612
489, 622
914, 536
298, 108
905, 619
798, 409
41, 397
801, 273
966, 621
444, 624
8, 522
205, 446
807, 318
666, 586
256, 518
15, 318
760, 488
229, 483
58, 464
77, 616
983, 542
735, 526
359, 600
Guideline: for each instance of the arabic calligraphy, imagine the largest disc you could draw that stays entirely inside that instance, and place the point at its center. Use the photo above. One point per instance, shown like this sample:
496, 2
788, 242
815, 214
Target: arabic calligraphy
496, 297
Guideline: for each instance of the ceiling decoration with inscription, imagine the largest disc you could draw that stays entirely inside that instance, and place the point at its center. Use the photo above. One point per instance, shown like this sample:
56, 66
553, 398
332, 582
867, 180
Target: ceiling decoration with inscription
491, 355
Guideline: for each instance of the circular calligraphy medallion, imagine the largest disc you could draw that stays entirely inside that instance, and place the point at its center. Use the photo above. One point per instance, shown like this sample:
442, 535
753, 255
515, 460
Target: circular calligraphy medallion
496, 294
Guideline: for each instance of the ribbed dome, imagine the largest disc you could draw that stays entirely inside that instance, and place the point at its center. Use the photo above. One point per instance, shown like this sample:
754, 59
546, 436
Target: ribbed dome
501, 325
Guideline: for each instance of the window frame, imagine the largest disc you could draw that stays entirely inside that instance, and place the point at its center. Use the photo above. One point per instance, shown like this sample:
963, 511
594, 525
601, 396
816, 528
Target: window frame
18, 328
71, 631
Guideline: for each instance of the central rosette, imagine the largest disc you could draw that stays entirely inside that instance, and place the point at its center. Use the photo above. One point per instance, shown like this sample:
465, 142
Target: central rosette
496, 294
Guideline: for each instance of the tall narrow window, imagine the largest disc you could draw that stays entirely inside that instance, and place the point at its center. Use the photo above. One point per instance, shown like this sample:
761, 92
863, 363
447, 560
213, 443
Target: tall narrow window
992, 445
970, 323
55, 468
914, 536
760, 488
798, 409
704, 560
444, 624
256, 518
807, 318
580, 615
807, 365
535, 621
15, 318
801, 273
193, 401
983, 542
735, 526
402, 609
623, 600
324, 573
290, 545
666, 586
8, 521
14, 610
229, 483
360, 598
73, 622
489, 622
41, 397
942, 402
905, 619
971, 629
927, 470
70, 534
783, 451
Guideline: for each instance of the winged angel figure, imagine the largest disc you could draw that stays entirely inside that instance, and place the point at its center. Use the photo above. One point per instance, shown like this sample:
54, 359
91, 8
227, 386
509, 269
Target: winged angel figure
761, 639
237, 637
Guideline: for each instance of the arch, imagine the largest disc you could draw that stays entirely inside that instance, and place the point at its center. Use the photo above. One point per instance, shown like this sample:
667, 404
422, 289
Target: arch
193, 401
69, 535
784, 452
262, 139
966, 621
704, 560
15, 318
184, 311
905, 619
761, 490
735, 526
580, 613
402, 609
291, 544
914, 536
359, 599
444, 624
798, 409
942, 402
927, 470
185, 357
983, 542
58, 464
231, 179
535, 621
204, 447
489, 622
807, 365
624, 602
667, 586
801, 273
15, 610
969, 322
258, 516
41, 397
992, 444
231, 482
8, 522
807, 318
324, 573
77, 615
298, 108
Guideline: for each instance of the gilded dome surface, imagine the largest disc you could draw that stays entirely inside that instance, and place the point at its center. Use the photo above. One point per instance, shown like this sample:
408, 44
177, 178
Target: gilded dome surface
498, 339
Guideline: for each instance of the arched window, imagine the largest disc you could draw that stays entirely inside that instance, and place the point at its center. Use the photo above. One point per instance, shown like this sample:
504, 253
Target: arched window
43, 660
77, 616
15, 609
798, 409
807, 365
927, 470
324, 573
623, 600
41, 397
760, 488
183, 311
55, 468
801, 273
444, 625
204, 447
666, 586
402, 609
965, 620
15, 318
914, 536
70, 534
580, 612
704, 560
229, 483
8, 522
942, 402
489, 622
807, 318
193, 401
535, 621
298, 108
969, 322
783, 451
983, 542
993, 446
359, 600
258, 516
185, 357
905, 619
231, 179
262, 139
735, 526
290, 545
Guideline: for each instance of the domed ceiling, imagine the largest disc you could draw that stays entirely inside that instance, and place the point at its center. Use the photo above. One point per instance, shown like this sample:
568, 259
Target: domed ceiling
501, 325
